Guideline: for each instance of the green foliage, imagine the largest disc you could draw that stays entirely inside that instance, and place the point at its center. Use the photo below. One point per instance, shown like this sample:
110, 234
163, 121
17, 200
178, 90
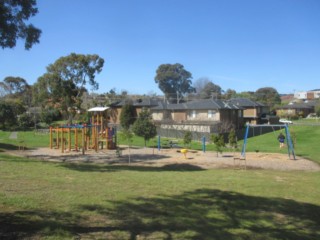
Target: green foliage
144, 127
218, 141
50, 115
174, 81
317, 109
128, 115
232, 139
66, 80
7, 115
211, 90
268, 96
25, 121
187, 138
14, 18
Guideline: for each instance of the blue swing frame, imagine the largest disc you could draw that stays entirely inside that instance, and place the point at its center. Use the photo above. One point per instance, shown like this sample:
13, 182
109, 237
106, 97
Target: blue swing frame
288, 138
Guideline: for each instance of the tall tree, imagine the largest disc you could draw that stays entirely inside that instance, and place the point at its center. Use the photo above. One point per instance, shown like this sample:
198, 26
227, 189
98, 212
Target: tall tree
7, 115
127, 115
174, 81
13, 17
144, 127
15, 86
67, 78
211, 90
268, 96
230, 93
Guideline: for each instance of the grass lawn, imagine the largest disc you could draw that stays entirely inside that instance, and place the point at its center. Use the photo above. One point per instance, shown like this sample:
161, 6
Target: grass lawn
41, 200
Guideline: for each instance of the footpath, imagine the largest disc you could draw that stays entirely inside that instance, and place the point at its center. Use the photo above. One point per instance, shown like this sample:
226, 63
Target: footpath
13, 135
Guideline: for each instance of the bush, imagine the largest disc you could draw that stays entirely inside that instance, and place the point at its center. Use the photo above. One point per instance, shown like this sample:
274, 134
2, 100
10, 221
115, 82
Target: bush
25, 121
187, 138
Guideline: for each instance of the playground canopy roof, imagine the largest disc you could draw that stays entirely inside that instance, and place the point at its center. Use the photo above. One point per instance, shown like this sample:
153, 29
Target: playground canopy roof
98, 109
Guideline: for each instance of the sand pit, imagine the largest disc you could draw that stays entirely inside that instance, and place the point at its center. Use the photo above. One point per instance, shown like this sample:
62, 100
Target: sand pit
154, 158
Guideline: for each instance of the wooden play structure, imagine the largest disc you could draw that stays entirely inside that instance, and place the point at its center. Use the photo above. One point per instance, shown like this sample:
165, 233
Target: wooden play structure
83, 137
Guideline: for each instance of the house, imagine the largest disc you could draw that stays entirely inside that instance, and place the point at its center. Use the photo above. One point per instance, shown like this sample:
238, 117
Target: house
307, 95
253, 112
203, 116
138, 104
296, 109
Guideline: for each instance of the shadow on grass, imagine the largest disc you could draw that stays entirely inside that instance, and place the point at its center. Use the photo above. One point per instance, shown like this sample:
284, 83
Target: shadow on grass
113, 168
200, 214
8, 146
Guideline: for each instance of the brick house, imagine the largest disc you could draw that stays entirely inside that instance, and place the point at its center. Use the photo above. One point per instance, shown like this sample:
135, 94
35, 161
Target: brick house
253, 112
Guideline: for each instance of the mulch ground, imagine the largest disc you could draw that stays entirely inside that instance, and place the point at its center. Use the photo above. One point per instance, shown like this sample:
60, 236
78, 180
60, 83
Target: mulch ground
165, 157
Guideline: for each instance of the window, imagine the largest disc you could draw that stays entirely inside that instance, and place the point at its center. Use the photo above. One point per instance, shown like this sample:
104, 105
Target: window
211, 113
193, 114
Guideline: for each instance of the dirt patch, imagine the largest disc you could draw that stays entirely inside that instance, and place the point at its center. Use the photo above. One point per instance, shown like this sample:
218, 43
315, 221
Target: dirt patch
173, 157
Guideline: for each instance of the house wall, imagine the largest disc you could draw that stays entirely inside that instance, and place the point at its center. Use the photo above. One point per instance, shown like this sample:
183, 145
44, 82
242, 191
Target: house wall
286, 112
115, 115
294, 111
250, 112
178, 116
203, 115
157, 116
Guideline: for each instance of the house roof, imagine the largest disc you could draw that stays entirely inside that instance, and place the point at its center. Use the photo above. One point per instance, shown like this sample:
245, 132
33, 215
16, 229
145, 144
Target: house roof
205, 104
145, 102
245, 102
296, 106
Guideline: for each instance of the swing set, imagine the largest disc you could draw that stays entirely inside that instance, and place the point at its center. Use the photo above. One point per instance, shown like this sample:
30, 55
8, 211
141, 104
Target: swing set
291, 153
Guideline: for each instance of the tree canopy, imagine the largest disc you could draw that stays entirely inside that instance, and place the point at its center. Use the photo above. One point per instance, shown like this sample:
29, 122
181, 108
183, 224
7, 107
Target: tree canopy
66, 80
144, 127
127, 115
206, 89
174, 81
268, 96
13, 17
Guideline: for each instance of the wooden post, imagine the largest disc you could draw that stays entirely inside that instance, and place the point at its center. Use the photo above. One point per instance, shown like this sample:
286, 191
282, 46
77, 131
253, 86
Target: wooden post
69, 139
76, 139
83, 141
62, 142
50, 137
57, 137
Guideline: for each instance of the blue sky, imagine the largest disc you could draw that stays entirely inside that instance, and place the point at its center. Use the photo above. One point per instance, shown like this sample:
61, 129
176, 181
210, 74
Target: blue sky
238, 44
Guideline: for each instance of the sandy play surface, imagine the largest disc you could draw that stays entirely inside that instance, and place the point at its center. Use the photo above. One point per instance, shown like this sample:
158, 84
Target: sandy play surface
154, 158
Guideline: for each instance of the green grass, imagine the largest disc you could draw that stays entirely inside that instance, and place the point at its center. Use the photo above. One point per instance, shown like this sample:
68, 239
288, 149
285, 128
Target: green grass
41, 200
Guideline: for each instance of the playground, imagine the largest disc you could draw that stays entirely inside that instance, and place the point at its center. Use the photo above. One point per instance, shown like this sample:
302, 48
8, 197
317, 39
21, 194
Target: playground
173, 157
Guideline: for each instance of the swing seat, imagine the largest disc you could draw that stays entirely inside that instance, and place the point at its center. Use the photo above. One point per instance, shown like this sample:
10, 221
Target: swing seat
240, 162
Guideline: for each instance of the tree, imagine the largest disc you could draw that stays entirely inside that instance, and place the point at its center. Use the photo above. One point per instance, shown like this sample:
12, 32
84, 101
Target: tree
16, 88
317, 109
13, 17
230, 93
218, 141
7, 116
187, 138
211, 90
144, 127
174, 81
66, 80
268, 96
232, 139
127, 115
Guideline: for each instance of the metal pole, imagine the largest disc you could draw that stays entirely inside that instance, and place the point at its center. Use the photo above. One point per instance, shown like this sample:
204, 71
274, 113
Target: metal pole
204, 144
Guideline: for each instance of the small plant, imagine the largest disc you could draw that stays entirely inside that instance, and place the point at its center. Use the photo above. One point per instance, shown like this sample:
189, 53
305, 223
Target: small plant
187, 138
218, 141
